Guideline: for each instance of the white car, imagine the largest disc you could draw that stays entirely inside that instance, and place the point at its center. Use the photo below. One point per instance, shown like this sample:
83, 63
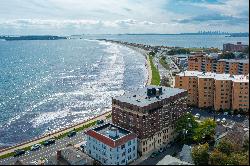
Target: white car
223, 120
35, 147
218, 120
239, 115
197, 115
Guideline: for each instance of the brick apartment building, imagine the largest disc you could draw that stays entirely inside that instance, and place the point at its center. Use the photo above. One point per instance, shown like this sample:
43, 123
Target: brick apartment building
204, 63
151, 113
238, 47
212, 90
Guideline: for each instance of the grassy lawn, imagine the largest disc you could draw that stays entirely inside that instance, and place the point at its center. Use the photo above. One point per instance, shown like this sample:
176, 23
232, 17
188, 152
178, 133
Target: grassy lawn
155, 73
164, 63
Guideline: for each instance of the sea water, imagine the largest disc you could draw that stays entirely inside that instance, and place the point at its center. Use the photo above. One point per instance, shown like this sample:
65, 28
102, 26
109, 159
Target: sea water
52, 84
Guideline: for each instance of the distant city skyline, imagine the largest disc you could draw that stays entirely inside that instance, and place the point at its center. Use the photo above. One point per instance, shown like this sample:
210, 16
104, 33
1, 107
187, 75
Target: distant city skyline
65, 17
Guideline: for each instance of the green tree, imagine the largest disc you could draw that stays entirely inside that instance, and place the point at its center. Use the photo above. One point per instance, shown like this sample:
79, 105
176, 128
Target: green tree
186, 126
218, 158
225, 146
205, 131
238, 159
200, 154
228, 55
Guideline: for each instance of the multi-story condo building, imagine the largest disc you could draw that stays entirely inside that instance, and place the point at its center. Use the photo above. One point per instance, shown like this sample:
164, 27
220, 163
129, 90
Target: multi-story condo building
212, 90
239, 47
240, 94
204, 63
111, 145
151, 113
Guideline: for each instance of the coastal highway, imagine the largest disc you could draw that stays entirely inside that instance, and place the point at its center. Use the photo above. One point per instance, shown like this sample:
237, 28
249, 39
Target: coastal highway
45, 151
30, 157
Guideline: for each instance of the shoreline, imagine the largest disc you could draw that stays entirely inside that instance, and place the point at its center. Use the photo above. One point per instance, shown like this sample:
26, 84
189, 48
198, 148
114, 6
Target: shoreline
144, 53
8, 149
55, 134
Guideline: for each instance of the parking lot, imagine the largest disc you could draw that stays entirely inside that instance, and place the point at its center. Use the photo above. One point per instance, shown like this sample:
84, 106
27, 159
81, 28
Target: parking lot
209, 114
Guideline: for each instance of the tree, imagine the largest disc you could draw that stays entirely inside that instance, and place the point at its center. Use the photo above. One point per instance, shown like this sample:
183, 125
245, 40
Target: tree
165, 81
205, 131
228, 55
238, 159
218, 158
225, 146
200, 154
186, 126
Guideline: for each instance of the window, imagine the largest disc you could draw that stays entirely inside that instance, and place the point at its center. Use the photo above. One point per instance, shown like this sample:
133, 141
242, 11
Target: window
123, 146
129, 143
133, 147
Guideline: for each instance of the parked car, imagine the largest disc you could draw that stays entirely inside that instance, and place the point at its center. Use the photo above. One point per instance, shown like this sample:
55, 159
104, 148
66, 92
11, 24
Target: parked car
223, 121
239, 115
168, 145
160, 150
19, 152
197, 116
71, 133
225, 113
49, 142
154, 154
218, 120
35, 147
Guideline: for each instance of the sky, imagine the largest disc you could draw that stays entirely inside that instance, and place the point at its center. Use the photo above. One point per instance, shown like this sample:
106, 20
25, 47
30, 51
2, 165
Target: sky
71, 17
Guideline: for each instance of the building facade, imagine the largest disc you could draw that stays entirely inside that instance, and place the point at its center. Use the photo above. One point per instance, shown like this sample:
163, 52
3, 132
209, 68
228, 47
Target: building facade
204, 63
238, 47
151, 113
111, 145
212, 90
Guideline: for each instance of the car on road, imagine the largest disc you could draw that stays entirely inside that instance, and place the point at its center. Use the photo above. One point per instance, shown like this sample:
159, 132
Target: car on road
238, 115
19, 152
218, 120
49, 142
225, 113
71, 133
35, 147
99, 122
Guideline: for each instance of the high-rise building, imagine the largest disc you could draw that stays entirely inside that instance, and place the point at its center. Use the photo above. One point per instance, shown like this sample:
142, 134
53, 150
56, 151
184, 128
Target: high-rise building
212, 90
151, 113
201, 62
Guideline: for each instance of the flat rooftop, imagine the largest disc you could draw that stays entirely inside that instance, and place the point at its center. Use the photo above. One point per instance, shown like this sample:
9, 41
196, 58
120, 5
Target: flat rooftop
106, 129
234, 60
140, 97
235, 78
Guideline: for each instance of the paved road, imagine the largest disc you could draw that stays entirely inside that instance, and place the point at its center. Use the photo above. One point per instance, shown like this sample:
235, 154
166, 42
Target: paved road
45, 152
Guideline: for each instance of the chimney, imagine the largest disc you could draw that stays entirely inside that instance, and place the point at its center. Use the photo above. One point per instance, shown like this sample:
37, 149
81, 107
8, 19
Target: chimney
58, 154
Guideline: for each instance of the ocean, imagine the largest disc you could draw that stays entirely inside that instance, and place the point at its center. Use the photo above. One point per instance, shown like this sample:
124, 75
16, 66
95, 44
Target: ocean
198, 41
56, 83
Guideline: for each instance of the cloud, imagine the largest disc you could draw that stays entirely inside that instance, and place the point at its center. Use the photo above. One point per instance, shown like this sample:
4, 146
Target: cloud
226, 7
215, 18
123, 16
